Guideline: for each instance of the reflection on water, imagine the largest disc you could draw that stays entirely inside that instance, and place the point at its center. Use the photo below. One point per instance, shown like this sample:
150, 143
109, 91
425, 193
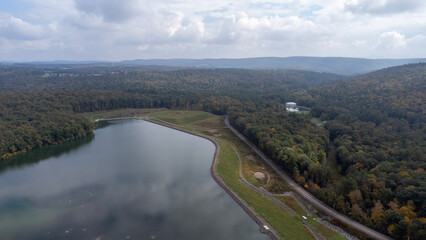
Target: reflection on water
134, 180
39, 154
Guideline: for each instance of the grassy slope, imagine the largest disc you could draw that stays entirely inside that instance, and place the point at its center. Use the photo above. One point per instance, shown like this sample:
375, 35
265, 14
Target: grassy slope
126, 112
227, 167
181, 117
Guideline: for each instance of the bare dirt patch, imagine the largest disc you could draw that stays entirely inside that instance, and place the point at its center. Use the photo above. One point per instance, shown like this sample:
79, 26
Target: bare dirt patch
250, 157
259, 175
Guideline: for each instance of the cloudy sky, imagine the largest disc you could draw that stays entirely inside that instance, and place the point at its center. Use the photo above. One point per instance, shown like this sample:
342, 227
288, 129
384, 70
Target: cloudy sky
141, 29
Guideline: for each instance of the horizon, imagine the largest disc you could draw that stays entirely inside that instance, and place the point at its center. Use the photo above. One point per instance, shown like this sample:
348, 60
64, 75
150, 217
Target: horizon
105, 30
199, 59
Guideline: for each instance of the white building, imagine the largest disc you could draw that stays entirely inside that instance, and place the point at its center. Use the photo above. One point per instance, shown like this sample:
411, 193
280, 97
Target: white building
291, 107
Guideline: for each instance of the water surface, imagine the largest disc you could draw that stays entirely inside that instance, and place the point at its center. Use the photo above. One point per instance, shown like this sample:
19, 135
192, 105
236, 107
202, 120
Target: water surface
134, 180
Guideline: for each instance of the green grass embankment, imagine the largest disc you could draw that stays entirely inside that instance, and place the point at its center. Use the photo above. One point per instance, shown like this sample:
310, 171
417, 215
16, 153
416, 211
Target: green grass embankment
181, 117
286, 225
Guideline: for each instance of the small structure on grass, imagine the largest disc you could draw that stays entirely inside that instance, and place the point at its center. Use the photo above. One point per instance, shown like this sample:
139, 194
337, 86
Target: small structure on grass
291, 107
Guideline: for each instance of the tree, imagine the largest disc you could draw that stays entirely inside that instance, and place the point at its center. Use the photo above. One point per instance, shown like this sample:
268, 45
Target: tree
349, 184
357, 213
400, 230
377, 213
355, 196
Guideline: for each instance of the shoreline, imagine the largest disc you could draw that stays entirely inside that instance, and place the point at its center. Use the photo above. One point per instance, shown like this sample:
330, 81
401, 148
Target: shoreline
249, 210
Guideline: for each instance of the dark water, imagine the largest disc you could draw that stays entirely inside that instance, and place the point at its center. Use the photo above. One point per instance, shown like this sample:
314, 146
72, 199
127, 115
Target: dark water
134, 180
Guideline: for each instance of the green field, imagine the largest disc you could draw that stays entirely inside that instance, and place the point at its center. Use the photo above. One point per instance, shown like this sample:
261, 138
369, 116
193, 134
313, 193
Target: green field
181, 117
289, 201
126, 112
286, 225
316, 120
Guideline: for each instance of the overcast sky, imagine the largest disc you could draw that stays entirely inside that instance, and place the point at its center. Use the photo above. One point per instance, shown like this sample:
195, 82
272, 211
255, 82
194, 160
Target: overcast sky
140, 29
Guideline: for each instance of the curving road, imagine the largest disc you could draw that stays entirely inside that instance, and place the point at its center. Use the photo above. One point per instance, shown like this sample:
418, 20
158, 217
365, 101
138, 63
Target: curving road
306, 195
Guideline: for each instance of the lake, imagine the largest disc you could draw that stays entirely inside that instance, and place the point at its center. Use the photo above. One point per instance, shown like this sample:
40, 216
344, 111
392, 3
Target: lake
133, 180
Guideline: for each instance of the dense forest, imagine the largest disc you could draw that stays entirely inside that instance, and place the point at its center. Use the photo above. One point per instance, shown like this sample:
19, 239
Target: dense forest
375, 122
38, 104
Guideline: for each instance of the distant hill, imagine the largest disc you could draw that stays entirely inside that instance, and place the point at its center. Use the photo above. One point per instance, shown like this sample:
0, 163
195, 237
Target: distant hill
394, 92
337, 65
58, 77
386, 97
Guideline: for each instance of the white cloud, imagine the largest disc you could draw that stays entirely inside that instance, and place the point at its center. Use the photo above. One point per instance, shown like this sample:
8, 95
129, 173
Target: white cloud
114, 30
418, 41
16, 28
391, 40
360, 43
383, 6
110, 10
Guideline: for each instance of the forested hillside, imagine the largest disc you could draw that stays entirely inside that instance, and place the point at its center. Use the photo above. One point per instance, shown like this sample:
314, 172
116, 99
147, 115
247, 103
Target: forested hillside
136, 79
375, 121
30, 120
37, 104
297, 145
338, 65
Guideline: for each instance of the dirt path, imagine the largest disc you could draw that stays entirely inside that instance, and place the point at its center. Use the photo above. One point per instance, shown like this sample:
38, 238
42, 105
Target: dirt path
332, 162
316, 235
